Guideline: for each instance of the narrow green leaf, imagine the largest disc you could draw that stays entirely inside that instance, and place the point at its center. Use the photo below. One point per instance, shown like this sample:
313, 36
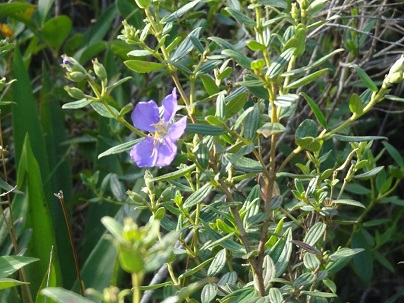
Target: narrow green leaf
235, 102
139, 53
186, 46
345, 253
61, 295
7, 9
394, 98
281, 252
180, 12
315, 233
209, 84
174, 175
286, 100
119, 148
349, 202
219, 261
102, 111
365, 79
269, 129
279, 63
7, 283
209, 292
238, 57
369, 173
394, 153
304, 280
357, 138
243, 163
143, 66
194, 270
316, 293
316, 110
198, 196
10, 264
77, 104
240, 17
205, 129
307, 79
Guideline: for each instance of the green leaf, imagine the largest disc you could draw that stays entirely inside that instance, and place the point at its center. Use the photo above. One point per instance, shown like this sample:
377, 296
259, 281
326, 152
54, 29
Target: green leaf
311, 261
77, 104
204, 129
219, 261
363, 263
255, 46
143, 66
345, 253
119, 148
279, 63
56, 30
269, 271
186, 46
281, 252
250, 123
394, 98
238, 57
315, 233
7, 9
198, 196
61, 295
316, 110
44, 7
394, 153
240, 17
357, 138
355, 104
316, 293
366, 79
286, 100
349, 202
304, 280
209, 84
194, 270
39, 220
369, 173
235, 101
275, 295
269, 129
307, 79
139, 53
209, 292
180, 12
10, 264
7, 283
244, 163
175, 174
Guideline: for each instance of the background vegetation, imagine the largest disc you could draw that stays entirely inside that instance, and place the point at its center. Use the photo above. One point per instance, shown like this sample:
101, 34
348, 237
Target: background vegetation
216, 55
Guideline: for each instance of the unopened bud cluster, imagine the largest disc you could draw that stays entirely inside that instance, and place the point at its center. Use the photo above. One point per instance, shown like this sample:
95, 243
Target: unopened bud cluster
396, 73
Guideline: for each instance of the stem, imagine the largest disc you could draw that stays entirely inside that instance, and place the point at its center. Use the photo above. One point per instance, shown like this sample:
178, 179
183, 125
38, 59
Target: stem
59, 195
136, 280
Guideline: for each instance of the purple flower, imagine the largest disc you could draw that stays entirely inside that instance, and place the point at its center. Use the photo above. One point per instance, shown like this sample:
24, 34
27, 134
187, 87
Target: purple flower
160, 148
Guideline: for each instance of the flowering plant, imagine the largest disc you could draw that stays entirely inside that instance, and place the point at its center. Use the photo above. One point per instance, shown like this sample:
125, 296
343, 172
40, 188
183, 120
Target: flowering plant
160, 148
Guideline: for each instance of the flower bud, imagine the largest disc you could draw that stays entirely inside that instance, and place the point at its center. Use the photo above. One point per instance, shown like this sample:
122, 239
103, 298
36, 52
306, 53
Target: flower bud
99, 70
2, 83
76, 76
72, 65
143, 3
74, 92
396, 73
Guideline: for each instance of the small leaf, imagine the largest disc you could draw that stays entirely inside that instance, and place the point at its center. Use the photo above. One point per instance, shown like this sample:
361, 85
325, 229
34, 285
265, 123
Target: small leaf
204, 129
198, 196
175, 174
243, 163
240, 17
355, 104
269, 129
119, 148
394, 154
394, 98
279, 63
209, 292
357, 138
102, 110
139, 53
218, 263
370, 173
7, 283
209, 84
307, 79
238, 57
349, 202
345, 253
180, 12
143, 66
316, 110
304, 280
286, 100
76, 104
275, 295
186, 46
308, 128
60, 295
365, 79
316, 293
315, 233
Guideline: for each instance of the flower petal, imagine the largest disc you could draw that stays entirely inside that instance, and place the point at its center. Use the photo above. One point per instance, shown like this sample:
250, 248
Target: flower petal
144, 153
144, 115
170, 105
177, 129
166, 152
